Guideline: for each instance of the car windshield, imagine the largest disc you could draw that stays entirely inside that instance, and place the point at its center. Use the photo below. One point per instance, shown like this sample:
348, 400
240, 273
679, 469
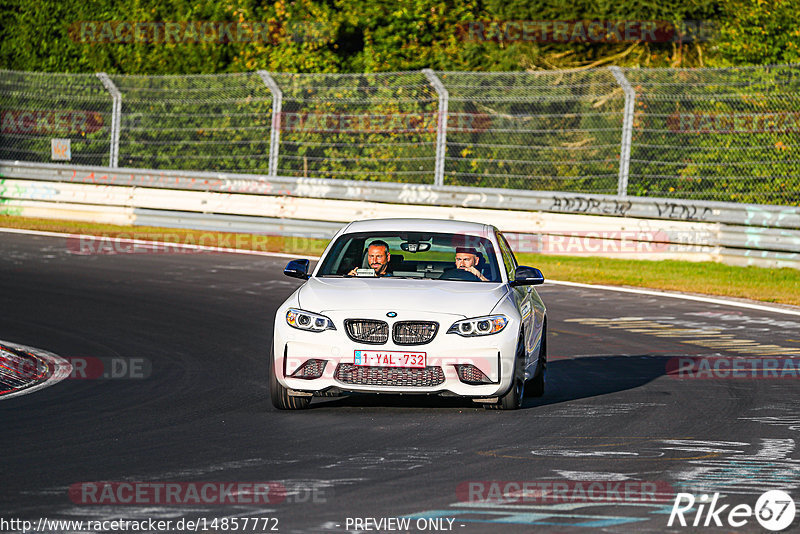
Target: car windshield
429, 256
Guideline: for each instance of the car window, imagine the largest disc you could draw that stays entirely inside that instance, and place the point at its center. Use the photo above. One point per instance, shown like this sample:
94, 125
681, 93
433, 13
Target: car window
509, 261
415, 255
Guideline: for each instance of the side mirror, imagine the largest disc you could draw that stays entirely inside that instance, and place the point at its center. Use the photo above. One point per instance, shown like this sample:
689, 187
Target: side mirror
297, 269
527, 276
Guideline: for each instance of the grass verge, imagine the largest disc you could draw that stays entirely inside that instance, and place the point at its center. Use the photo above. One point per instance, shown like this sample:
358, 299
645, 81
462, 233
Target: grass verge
769, 285
756, 283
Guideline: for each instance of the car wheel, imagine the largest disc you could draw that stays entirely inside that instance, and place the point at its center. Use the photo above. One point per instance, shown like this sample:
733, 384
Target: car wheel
513, 399
280, 395
535, 387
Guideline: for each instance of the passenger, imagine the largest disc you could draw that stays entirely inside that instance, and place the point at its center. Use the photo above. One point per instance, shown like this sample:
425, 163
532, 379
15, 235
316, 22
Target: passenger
467, 259
378, 258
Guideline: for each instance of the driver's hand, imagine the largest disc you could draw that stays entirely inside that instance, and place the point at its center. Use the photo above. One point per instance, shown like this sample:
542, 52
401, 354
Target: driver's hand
476, 272
352, 272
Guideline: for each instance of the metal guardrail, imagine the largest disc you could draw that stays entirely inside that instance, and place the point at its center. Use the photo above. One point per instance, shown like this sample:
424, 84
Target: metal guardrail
216, 222
556, 202
749, 235
698, 134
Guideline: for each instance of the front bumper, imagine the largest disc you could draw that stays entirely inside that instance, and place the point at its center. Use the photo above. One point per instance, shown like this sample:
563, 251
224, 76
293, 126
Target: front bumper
493, 355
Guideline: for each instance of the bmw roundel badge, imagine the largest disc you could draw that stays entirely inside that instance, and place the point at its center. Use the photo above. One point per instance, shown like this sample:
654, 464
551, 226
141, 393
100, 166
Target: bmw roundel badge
391, 314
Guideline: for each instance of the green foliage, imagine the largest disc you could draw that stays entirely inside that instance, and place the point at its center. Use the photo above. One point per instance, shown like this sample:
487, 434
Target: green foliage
382, 35
385, 35
754, 32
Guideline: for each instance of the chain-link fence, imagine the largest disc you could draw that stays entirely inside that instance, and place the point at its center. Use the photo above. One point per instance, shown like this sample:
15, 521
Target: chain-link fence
549, 130
709, 134
717, 134
358, 126
36, 107
218, 122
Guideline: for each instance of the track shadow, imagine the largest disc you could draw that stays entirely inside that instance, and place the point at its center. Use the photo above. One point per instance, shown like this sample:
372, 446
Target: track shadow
593, 376
567, 380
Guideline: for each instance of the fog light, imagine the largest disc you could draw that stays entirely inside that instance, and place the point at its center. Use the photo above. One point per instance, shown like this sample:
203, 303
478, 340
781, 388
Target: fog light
469, 374
310, 369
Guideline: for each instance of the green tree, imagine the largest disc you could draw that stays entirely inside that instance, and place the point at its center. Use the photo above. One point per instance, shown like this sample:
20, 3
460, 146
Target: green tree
759, 32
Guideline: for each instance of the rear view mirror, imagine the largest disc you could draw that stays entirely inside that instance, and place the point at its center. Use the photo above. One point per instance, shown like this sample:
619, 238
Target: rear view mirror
415, 247
297, 269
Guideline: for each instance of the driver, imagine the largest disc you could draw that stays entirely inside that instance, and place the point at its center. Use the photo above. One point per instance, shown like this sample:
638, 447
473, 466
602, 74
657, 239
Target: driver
467, 259
378, 258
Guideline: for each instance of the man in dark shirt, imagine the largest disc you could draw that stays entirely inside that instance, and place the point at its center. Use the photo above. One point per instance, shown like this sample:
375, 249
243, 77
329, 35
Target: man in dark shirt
378, 258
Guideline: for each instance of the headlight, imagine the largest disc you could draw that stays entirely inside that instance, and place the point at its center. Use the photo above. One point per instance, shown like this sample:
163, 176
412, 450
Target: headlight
479, 326
303, 320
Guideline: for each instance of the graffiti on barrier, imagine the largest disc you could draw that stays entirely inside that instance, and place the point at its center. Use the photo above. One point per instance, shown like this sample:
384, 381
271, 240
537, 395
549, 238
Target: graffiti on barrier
673, 210
578, 204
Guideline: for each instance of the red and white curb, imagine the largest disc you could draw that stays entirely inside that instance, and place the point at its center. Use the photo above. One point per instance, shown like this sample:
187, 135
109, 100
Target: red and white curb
11, 364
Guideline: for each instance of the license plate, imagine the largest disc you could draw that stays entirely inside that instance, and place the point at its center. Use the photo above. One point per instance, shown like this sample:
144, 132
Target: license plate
389, 358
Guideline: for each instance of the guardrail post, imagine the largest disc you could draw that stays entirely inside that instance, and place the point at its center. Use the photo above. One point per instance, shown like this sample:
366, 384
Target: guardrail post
275, 130
627, 131
441, 125
116, 116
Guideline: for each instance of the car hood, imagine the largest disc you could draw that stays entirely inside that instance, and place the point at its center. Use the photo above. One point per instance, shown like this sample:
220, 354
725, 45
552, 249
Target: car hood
468, 299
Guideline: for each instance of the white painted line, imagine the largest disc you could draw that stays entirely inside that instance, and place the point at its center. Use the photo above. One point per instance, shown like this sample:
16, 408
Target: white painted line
655, 293
61, 369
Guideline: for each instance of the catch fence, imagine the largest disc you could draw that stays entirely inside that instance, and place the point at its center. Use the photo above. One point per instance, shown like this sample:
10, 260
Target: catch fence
698, 134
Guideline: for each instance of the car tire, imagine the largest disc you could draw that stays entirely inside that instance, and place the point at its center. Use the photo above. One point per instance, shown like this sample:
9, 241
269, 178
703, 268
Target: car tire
512, 400
535, 387
280, 395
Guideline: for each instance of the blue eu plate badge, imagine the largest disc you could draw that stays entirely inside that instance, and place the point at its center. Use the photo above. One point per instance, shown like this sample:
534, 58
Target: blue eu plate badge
358, 357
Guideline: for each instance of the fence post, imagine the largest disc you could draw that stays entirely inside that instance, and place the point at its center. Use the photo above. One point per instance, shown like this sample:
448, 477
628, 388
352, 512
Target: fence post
275, 131
441, 125
116, 116
627, 131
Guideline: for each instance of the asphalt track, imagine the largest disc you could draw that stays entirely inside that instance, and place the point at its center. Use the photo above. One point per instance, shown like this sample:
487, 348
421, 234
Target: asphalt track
202, 323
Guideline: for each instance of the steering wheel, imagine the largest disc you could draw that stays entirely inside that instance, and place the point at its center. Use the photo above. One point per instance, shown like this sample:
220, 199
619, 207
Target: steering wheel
458, 274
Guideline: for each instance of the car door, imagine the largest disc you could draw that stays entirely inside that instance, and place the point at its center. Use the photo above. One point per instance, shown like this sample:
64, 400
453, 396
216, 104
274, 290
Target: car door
522, 297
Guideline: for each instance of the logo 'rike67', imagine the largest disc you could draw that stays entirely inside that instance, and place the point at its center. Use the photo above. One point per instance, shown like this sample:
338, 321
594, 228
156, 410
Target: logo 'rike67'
774, 510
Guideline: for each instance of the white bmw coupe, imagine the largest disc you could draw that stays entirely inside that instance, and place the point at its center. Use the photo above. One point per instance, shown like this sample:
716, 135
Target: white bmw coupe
411, 306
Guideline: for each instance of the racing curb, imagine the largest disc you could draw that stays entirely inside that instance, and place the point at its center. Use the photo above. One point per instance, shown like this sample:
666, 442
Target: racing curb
26, 369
